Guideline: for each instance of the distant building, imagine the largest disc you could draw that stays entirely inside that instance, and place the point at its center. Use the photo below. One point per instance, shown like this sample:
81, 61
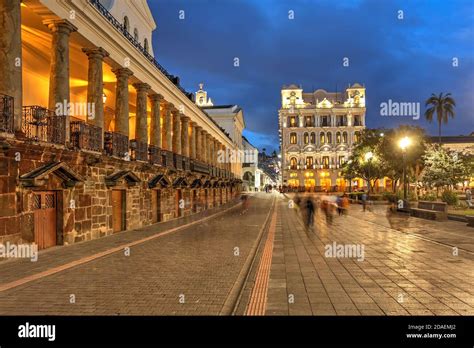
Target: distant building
229, 117
461, 143
318, 131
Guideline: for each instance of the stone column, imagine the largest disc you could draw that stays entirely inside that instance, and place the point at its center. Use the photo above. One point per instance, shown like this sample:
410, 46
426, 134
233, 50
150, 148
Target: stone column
95, 87
59, 68
167, 130
155, 134
185, 135
192, 153
204, 146
177, 132
212, 151
216, 152
198, 130
121, 101
209, 149
141, 124
10, 56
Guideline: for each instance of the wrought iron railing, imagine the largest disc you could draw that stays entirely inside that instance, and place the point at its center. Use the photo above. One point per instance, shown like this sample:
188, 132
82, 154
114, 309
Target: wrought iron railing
139, 150
121, 28
167, 159
116, 144
6, 113
85, 136
41, 124
154, 153
186, 163
178, 161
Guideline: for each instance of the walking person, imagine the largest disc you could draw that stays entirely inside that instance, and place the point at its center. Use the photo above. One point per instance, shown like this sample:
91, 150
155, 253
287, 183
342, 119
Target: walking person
309, 213
364, 200
345, 204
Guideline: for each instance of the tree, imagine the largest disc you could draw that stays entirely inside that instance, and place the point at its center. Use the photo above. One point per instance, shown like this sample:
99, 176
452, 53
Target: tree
443, 106
446, 168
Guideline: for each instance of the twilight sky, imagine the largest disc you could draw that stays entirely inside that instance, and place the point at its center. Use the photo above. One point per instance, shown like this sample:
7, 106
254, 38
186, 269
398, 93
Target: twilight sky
402, 60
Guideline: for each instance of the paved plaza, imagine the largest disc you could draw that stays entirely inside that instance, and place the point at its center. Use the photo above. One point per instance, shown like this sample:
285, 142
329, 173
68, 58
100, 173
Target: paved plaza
261, 260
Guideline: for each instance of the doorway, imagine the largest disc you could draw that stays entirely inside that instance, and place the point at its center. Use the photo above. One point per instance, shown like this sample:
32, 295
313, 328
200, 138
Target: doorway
45, 216
118, 210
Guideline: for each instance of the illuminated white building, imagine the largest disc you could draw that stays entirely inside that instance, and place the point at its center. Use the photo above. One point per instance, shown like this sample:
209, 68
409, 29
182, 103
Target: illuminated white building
317, 133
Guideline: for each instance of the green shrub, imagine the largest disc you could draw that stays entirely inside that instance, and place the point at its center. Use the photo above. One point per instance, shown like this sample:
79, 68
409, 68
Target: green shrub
390, 197
430, 196
449, 197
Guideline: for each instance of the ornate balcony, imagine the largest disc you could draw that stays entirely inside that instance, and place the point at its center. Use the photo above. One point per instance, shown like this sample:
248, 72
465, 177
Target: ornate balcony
199, 167
154, 153
186, 164
116, 144
85, 136
139, 150
41, 124
178, 161
167, 159
6, 113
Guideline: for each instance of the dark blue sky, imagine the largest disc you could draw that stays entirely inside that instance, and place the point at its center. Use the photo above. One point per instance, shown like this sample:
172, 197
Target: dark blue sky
403, 60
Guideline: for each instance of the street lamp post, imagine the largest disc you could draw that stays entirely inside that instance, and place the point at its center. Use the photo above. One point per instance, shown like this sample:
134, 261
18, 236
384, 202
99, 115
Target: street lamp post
404, 143
368, 158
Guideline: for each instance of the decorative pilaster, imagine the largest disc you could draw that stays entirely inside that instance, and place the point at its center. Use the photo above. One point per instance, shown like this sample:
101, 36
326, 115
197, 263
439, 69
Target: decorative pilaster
155, 134
141, 124
95, 87
10, 56
122, 111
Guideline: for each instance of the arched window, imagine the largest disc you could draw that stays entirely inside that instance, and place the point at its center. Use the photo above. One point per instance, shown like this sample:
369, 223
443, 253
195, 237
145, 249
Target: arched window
322, 138
309, 162
135, 34
292, 121
306, 138
344, 137
313, 138
293, 163
329, 137
145, 44
338, 137
293, 138
126, 24
356, 137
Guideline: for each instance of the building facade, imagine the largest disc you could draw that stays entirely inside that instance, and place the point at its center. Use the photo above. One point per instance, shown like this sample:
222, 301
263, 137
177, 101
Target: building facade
318, 131
231, 119
95, 135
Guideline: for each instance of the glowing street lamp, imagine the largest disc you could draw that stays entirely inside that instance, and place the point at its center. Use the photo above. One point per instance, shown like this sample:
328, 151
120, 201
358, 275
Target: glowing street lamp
404, 143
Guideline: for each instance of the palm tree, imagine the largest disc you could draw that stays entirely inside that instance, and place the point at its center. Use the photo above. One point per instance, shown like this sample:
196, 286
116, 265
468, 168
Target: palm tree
444, 108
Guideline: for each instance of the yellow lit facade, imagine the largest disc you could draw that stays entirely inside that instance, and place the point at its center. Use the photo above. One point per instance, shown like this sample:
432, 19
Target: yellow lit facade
318, 131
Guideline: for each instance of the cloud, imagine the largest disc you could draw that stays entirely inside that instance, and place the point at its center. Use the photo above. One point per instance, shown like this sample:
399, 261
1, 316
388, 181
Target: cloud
404, 60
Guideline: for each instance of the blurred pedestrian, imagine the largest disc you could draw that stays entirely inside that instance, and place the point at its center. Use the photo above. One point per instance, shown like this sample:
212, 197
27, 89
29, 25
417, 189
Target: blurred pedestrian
364, 200
309, 213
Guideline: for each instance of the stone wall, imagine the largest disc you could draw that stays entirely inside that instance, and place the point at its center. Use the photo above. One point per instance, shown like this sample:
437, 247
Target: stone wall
85, 209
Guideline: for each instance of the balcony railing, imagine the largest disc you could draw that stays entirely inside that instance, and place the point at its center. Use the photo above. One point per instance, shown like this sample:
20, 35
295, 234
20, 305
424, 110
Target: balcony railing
199, 167
167, 159
116, 144
186, 164
139, 150
154, 153
41, 124
121, 28
85, 136
6, 113
178, 161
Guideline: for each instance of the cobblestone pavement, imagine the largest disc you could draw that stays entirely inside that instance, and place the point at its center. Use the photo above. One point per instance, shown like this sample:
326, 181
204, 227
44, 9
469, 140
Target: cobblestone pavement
408, 266
188, 272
